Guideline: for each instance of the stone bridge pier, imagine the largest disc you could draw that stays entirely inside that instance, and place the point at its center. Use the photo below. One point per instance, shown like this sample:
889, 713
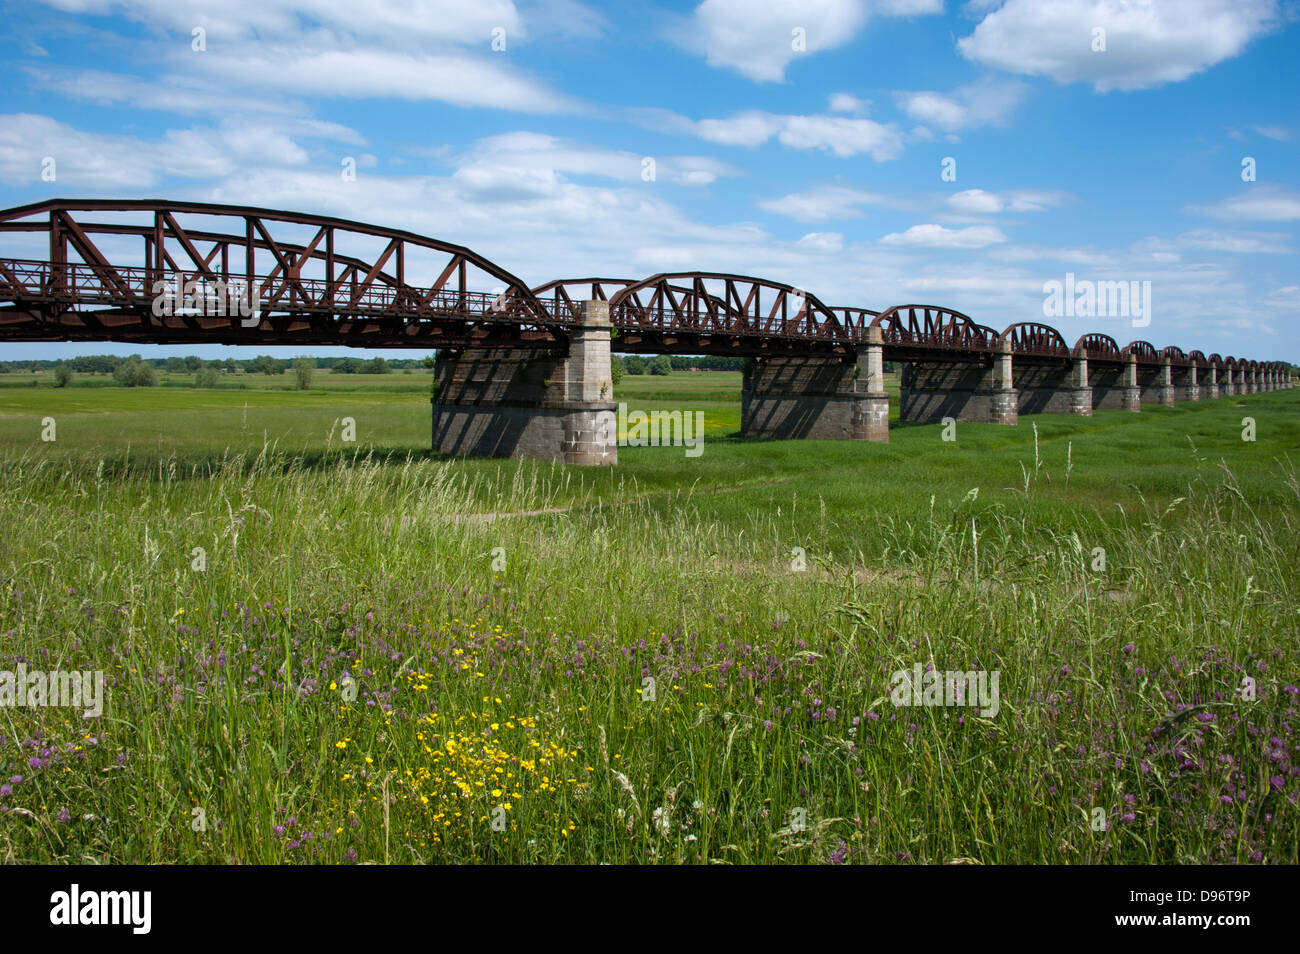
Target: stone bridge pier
527, 403
1156, 383
1210, 382
817, 397
1054, 388
983, 390
1186, 384
1108, 382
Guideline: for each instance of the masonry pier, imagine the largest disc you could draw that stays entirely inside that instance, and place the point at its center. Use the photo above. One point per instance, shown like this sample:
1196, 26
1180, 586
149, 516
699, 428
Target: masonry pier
554, 404
817, 397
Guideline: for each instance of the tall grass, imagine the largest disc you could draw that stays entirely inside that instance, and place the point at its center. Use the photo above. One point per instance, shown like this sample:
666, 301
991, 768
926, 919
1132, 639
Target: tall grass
505, 627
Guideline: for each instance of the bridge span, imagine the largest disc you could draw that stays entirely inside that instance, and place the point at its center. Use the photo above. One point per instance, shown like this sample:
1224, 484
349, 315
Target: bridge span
525, 372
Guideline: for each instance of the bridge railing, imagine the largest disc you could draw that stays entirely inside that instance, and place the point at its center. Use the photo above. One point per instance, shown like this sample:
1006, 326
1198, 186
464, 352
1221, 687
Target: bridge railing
76, 284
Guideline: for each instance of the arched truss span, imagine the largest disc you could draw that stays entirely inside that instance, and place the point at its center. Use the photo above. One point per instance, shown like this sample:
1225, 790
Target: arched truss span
1214, 360
1198, 358
856, 320
1175, 354
113, 268
929, 326
1098, 347
561, 297
1144, 351
563, 294
714, 306
1231, 362
1035, 338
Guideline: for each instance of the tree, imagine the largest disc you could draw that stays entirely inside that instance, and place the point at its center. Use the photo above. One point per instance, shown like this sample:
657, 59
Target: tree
231, 367
660, 364
616, 370
266, 365
133, 373
176, 366
375, 365
635, 364
62, 374
208, 376
193, 362
302, 369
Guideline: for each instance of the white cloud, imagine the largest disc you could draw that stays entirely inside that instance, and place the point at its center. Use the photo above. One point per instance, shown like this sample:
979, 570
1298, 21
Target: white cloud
413, 22
747, 129
848, 103
398, 49
980, 202
822, 241
987, 102
819, 205
454, 78
839, 135
513, 160
757, 39
1265, 243
937, 236
1148, 42
976, 202
1261, 203
105, 161
1276, 133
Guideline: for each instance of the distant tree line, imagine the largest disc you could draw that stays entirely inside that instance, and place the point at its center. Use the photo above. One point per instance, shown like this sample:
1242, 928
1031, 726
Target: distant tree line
664, 363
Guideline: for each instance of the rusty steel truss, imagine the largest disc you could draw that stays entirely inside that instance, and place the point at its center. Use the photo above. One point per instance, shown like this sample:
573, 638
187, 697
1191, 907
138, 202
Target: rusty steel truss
192, 272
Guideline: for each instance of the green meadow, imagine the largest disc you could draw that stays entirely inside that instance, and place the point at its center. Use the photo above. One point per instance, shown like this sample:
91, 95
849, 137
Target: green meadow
323, 651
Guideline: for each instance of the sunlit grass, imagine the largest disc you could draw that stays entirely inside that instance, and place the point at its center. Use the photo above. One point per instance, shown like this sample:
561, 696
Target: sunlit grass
504, 625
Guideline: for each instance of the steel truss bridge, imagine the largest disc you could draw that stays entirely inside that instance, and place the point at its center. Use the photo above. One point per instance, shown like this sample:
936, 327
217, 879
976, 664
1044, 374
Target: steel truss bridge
189, 273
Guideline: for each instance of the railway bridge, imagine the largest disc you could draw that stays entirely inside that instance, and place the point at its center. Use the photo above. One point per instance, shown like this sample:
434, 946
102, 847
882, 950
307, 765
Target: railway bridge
525, 372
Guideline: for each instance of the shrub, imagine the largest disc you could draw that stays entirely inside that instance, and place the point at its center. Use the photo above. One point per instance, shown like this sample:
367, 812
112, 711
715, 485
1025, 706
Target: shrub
302, 369
135, 373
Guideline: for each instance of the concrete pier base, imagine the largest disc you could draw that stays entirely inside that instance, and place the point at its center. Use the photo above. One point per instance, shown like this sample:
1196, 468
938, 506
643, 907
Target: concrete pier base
963, 391
522, 403
1210, 383
817, 398
1054, 388
1186, 384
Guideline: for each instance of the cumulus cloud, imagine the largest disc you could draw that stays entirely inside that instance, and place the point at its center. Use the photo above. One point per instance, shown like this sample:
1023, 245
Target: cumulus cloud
822, 241
1147, 42
938, 236
759, 40
839, 135
989, 102
980, 202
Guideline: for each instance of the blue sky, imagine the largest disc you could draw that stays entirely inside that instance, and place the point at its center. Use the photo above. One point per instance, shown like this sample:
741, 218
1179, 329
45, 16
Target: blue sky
800, 140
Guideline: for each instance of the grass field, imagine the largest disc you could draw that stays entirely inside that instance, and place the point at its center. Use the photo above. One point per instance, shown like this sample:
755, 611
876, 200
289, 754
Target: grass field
320, 651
